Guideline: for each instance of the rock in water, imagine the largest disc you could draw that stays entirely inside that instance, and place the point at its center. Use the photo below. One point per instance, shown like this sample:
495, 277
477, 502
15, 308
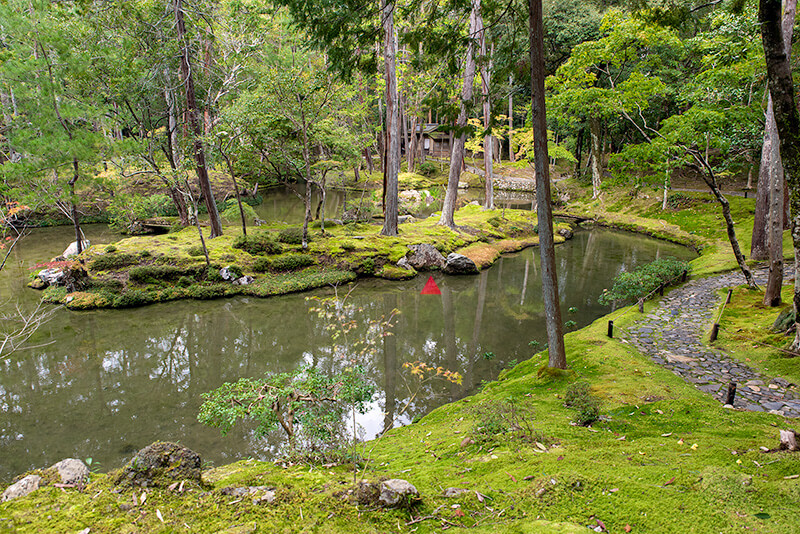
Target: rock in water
459, 264
160, 464
52, 276
72, 249
21, 488
397, 492
425, 257
71, 471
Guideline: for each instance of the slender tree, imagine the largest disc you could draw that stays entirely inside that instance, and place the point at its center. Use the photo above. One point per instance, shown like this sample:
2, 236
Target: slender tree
392, 167
194, 122
457, 154
552, 306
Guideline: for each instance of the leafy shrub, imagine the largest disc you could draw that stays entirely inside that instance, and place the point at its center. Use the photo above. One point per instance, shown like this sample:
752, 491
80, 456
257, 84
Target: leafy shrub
287, 262
644, 280
196, 250
367, 266
586, 406
291, 236
508, 418
185, 281
144, 274
318, 403
427, 168
113, 261
258, 244
230, 211
208, 291
495, 221
133, 297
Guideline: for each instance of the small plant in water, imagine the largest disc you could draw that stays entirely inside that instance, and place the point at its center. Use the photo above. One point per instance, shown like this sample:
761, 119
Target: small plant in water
488, 355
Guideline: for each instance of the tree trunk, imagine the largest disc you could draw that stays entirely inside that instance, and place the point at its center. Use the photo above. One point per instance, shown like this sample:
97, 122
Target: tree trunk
191, 111
552, 306
579, 151
76, 222
172, 123
595, 132
236, 190
412, 149
457, 157
308, 177
392, 145
787, 119
488, 142
511, 120
772, 293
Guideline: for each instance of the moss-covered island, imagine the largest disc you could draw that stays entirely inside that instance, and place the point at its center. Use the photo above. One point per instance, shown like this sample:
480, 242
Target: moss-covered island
663, 456
142, 270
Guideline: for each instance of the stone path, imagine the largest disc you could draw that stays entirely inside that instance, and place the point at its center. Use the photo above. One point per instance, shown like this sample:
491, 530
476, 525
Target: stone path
672, 336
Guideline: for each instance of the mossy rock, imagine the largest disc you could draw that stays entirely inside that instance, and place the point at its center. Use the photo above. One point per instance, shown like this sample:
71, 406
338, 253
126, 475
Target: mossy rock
392, 272
160, 464
784, 321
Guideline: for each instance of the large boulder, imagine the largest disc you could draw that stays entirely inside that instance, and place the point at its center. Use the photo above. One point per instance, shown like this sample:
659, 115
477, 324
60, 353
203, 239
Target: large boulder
398, 493
51, 276
425, 257
160, 464
21, 488
459, 264
72, 249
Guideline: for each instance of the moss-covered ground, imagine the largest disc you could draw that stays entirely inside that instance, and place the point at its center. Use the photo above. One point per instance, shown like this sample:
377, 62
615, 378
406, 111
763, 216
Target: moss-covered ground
664, 457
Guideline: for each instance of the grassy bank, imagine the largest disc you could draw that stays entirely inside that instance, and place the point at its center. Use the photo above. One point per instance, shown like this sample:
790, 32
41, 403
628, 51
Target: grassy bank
663, 457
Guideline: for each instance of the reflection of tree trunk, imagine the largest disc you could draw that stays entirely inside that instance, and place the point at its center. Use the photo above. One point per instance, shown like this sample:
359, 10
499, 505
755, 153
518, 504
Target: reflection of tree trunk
390, 367
471, 355
450, 348
524, 282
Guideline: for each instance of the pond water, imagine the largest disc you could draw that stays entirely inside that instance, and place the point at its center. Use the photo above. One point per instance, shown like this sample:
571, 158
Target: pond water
108, 382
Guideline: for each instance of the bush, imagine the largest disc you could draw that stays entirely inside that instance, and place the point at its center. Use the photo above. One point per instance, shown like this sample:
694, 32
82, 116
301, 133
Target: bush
645, 280
132, 298
586, 406
195, 251
288, 262
257, 245
427, 168
113, 261
185, 281
291, 236
144, 274
207, 292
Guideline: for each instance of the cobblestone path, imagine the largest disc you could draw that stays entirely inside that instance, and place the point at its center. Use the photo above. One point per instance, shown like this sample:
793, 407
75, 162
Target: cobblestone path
672, 336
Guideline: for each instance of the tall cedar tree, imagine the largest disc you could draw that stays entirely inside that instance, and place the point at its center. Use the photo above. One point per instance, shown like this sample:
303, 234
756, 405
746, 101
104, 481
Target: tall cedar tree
787, 118
552, 306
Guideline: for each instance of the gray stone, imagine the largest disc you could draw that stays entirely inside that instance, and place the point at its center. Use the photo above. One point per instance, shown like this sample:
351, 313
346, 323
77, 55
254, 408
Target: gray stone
160, 464
459, 264
397, 492
71, 471
243, 281
267, 497
401, 219
566, 233
20, 489
425, 257
772, 405
227, 274
403, 264
52, 276
72, 249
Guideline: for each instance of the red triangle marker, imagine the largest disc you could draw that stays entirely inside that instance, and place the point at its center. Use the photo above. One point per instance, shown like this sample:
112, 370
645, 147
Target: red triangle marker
430, 288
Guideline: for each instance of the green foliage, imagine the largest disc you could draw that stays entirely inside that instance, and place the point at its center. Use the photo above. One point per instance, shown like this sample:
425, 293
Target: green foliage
209, 291
230, 211
291, 236
144, 274
287, 262
125, 209
133, 297
509, 418
645, 280
427, 168
258, 244
114, 261
586, 406
308, 405
195, 251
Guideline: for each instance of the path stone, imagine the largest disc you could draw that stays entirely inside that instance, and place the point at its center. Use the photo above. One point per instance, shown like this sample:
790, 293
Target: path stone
672, 335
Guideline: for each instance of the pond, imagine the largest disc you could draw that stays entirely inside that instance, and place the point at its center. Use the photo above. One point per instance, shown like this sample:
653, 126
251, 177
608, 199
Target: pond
105, 383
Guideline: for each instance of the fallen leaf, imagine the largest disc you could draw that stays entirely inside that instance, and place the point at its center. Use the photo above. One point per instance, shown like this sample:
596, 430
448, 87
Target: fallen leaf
459, 513
173, 486
668, 434
511, 477
790, 477
613, 490
601, 524
479, 496
621, 439
559, 458
628, 528
694, 446
158, 514
670, 481
144, 497
529, 477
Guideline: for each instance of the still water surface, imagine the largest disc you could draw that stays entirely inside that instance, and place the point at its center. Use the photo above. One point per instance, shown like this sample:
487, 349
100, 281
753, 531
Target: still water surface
109, 382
